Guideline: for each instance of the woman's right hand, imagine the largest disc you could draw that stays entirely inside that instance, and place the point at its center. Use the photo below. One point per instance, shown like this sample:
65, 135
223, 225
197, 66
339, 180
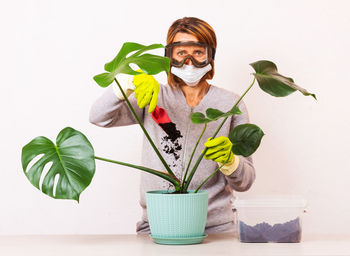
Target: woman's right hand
146, 90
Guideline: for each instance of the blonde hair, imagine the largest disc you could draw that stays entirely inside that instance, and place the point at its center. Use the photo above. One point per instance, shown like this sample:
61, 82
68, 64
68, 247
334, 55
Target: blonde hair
202, 31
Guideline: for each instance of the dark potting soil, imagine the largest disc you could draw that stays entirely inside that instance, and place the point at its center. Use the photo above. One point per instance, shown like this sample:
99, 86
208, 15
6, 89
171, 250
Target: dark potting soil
170, 129
170, 141
289, 232
169, 149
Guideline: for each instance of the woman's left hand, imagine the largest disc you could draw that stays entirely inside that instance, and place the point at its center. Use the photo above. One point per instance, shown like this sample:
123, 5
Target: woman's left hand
219, 149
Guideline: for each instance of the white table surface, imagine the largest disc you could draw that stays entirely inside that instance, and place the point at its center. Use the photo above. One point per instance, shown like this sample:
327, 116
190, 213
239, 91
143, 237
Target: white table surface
218, 244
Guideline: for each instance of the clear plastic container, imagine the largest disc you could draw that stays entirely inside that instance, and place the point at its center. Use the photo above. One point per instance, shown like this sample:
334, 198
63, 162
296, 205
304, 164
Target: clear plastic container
263, 219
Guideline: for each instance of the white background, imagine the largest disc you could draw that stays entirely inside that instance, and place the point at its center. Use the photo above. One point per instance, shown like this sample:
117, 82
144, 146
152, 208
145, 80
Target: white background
50, 51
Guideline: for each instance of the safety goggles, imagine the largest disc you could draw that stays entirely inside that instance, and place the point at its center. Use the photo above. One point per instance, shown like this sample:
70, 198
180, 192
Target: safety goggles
200, 54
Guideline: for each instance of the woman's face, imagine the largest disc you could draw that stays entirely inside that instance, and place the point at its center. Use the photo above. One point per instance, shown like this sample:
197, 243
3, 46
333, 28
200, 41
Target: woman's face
180, 52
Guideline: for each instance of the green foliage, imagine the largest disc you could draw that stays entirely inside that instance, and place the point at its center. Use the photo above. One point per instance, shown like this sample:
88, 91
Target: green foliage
104, 79
72, 160
272, 82
213, 115
199, 118
148, 63
245, 139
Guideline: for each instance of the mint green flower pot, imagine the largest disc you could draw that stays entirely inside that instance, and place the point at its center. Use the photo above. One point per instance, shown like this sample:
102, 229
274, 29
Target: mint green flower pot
177, 218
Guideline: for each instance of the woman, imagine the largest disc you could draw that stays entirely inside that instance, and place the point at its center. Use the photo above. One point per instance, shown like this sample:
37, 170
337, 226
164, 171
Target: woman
191, 45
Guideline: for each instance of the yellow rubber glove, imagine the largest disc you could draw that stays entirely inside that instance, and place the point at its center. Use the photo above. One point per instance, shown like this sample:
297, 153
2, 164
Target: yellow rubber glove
219, 150
146, 90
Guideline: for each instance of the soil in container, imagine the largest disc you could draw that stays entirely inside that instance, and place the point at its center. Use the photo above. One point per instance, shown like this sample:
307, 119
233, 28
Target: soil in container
288, 232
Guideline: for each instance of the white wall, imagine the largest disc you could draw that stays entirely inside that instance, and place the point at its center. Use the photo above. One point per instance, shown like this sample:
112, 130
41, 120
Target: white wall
50, 50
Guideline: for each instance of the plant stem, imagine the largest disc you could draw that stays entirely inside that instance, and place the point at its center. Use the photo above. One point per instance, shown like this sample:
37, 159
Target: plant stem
175, 181
211, 175
144, 130
188, 181
189, 163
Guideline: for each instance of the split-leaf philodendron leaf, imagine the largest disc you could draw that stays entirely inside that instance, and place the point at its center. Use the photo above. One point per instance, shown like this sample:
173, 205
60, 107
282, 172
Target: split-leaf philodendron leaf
213, 115
272, 82
245, 139
148, 63
199, 118
72, 160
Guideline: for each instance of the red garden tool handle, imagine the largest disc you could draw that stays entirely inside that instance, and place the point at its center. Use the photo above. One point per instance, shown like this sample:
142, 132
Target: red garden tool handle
159, 115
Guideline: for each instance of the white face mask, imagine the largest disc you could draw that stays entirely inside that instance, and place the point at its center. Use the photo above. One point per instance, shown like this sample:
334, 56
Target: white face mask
190, 74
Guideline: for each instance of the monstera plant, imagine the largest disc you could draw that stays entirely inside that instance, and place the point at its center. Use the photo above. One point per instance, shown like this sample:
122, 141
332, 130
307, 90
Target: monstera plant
72, 157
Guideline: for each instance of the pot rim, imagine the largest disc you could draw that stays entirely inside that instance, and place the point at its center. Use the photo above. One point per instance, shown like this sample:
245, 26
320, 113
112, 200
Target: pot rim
165, 192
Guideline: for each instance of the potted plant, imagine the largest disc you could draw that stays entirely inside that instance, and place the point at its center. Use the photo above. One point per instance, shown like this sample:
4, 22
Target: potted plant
73, 158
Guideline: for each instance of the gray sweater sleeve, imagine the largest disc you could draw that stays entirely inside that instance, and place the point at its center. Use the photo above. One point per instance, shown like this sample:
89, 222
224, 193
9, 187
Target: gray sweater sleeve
109, 111
243, 177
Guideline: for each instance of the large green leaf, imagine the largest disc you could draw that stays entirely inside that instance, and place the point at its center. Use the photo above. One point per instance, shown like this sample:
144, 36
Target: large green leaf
72, 160
245, 139
104, 79
125, 50
147, 48
272, 82
149, 63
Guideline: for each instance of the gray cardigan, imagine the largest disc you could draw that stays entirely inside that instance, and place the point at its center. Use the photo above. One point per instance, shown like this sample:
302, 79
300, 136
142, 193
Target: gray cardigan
110, 111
